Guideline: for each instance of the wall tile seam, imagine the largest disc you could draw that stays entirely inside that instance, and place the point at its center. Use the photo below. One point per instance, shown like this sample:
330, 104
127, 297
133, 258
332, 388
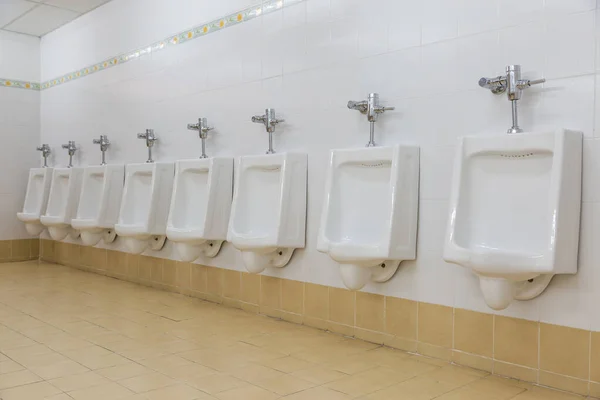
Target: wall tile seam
182, 37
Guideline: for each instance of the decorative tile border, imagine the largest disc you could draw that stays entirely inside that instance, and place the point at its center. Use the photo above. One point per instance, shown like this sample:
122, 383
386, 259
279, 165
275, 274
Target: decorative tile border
174, 40
195, 32
12, 83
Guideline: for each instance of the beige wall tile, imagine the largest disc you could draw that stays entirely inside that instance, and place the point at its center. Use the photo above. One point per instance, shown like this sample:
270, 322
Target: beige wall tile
232, 284
5, 250
133, 265
184, 275
564, 382
515, 371
35, 248
595, 389
401, 317
316, 301
270, 292
474, 332
516, 341
595, 357
292, 296
565, 351
369, 336
346, 330
20, 249
342, 306
370, 311
156, 269
99, 258
435, 325
250, 288
214, 281
430, 350
86, 256
74, 254
169, 272
60, 252
199, 276
145, 268
116, 261
472, 361
47, 249
400, 343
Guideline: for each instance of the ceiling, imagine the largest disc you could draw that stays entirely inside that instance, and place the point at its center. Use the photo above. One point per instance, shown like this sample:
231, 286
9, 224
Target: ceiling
39, 17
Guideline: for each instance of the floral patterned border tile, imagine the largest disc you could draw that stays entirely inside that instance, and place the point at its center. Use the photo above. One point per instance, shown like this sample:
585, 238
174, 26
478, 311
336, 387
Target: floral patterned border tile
12, 83
195, 32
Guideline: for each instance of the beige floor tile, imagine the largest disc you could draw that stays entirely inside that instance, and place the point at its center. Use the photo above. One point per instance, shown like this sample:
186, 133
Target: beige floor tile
8, 366
59, 369
106, 391
319, 375
367, 382
247, 392
18, 378
145, 383
33, 391
285, 385
320, 393
176, 392
78, 381
287, 364
254, 373
417, 388
123, 371
214, 383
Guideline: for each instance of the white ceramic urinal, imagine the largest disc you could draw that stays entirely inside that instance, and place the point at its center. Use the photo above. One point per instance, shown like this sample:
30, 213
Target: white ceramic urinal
200, 206
63, 200
268, 217
99, 204
36, 199
369, 217
514, 211
145, 205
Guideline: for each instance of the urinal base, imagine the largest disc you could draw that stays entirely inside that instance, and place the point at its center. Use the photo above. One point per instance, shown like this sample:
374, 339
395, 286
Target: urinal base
532, 288
109, 236
91, 238
135, 245
257, 262
157, 242
74, 234
385, 271
58, 232
34, 229
190, 251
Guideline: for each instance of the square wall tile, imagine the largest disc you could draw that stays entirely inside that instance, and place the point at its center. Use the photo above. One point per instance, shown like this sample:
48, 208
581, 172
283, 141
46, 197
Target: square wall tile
562, 382
5, 250
35, 248
595, 357
435, 325
169, 272
184, 275
20, 249
565, 350
292, 296
232, 284
199, 278
116, 261
250, 288
214, 281
342, 304
316, 301
47, 249
370, 311
270, 292
516, 341
474, 332
401, 317
133, 265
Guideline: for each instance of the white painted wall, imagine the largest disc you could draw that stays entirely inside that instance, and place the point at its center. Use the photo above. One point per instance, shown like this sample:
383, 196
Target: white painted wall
309, 59
19, 127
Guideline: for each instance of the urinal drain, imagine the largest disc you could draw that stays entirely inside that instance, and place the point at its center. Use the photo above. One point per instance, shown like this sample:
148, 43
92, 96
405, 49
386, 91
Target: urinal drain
523, 155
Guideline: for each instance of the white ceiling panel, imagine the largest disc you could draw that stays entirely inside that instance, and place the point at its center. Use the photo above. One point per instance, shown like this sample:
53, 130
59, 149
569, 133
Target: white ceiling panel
80, 6
39, 17
41, 20
12, 9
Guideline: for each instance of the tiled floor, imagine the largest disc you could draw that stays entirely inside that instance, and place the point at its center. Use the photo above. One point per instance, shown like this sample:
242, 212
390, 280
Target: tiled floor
68, 334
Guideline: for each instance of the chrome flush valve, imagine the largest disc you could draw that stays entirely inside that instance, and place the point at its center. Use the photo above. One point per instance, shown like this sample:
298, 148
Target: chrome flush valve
104, 143
270, 122
71, 148
371, 108
150, 138
45, 149
513, 85
203, 129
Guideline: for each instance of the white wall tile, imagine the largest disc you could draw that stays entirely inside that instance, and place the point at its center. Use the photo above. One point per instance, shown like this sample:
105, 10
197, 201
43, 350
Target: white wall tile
307, 61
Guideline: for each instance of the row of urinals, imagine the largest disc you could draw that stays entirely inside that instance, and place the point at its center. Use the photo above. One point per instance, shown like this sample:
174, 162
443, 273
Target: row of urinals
513, 219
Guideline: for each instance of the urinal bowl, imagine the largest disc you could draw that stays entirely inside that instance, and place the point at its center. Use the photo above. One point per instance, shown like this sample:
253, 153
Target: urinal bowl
58, 229
268, 215
514, 212
369, 219
191, 250
99, 204
36, 199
